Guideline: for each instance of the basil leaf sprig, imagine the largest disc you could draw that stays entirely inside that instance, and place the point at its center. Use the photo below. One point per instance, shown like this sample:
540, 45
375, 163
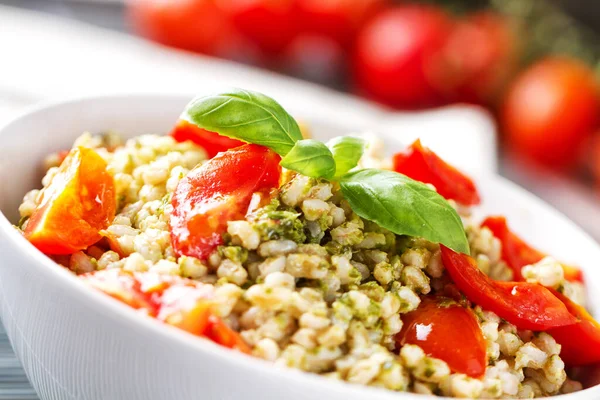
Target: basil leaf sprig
392, 200
311, 158
347, 152
404, 206
248, 116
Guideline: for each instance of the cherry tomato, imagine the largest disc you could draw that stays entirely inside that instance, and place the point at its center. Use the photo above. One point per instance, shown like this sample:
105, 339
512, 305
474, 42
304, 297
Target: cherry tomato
399, 57
516, 253
78, 203
269, 24
482, 53
580, 343
338, 20
448, 331
423, 165
525, 305
551, 110
220, 333
217, 192
123, 286
196, 25
212, 142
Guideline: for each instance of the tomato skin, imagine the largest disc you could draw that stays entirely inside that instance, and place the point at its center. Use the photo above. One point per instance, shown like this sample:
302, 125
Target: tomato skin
268, 24
122, 286
211, 142
517, 253
217, 192
407, 73
480, 74
525, 305
580, 343
551, 110
78, 203
195, 25
220, 333
337, 20
448, 331
423, 165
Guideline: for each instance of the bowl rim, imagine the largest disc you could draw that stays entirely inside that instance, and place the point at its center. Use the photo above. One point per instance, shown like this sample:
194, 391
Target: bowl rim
128, 316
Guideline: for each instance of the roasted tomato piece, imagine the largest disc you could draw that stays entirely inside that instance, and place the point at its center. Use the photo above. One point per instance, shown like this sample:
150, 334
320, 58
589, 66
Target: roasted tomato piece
212, 142
517, 253
78, 203
580, 343
423, 165
217, 192
448, 331
122, 286
525, 305
220, 333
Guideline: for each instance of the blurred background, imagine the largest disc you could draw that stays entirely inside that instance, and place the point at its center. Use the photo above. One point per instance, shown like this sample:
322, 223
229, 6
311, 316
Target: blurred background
532, 65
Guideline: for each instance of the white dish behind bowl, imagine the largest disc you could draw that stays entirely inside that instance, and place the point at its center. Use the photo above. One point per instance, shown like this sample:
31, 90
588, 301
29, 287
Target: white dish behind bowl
76, 343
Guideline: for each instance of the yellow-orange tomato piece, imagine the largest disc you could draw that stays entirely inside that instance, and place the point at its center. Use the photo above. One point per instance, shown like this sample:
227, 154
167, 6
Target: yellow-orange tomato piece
186, 307
78, 203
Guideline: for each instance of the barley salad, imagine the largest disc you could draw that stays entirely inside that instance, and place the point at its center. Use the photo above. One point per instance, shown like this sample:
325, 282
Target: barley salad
324, 257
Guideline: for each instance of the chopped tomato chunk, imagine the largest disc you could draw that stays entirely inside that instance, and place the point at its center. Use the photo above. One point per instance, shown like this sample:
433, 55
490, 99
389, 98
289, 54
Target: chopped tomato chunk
122, 286
217, 192
182, 303
219, 332
212, 142
580, 343
517, 253
186, 307
78, 203
423, 165
448, 331
525, 305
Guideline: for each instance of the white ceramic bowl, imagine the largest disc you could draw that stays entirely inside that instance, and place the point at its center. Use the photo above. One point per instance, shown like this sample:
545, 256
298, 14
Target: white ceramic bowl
76, 343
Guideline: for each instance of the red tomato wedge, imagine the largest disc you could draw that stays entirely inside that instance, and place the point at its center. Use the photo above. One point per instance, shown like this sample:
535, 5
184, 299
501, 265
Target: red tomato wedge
219, 332
122, 286
212, 142
580, 342
423, 165
517, 253
448, 331
217, 192
182, 303
78, 203
525, 305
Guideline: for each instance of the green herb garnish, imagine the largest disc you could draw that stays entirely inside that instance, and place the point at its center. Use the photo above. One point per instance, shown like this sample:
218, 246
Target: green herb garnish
389, 199
311, 158
347, 151
248, 116
404, 206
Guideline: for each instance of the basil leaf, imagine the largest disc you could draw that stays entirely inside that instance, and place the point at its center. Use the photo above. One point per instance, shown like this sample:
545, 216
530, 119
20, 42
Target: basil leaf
404, 206
311, 158
347, 151
248, 116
